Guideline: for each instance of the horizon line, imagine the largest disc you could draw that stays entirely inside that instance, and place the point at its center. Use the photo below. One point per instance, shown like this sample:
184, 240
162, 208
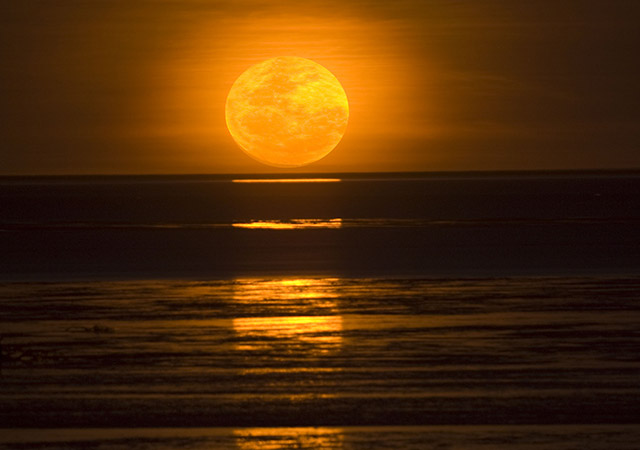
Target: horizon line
325, 175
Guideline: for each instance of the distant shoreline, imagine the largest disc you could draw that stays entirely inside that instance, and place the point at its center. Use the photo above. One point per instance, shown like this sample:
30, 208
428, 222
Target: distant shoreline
476, 174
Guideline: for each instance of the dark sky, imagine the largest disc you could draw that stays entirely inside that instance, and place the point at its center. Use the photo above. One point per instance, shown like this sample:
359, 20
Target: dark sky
114, 86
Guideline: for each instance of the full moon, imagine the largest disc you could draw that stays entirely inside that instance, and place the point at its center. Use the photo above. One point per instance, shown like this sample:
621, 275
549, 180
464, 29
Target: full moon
287, 111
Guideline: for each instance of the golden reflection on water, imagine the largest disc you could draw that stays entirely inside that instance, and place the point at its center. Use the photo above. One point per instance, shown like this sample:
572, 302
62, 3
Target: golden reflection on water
321, 290
282, 438
322, 334
293, 224
287, 180
296, 314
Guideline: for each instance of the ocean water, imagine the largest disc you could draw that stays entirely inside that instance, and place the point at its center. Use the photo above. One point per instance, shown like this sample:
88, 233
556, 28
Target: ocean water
418, 312
413, 225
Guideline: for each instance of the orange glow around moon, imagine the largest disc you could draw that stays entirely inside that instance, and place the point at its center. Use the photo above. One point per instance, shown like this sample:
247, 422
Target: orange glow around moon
287, 111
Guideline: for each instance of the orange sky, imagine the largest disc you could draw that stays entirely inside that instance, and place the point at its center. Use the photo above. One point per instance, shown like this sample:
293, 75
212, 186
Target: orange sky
140, 86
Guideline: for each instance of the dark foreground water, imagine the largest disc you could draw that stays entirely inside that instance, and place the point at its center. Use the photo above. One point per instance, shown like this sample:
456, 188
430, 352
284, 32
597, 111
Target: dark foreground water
517, 437
324, 352
423, 312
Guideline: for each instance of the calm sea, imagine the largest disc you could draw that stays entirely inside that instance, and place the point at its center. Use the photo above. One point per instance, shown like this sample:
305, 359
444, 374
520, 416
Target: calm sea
451, 311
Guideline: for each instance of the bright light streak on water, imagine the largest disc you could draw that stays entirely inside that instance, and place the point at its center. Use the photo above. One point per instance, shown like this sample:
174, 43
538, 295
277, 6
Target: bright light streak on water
287, 180
294, 224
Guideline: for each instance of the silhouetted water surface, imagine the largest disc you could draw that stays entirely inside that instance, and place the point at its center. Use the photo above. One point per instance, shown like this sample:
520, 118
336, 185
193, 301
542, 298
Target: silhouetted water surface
435, 312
